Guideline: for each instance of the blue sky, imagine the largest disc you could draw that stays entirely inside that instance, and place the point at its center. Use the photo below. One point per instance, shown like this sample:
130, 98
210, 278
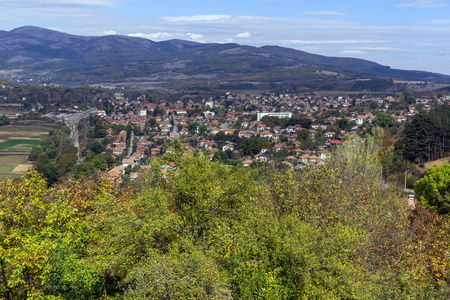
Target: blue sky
405, 34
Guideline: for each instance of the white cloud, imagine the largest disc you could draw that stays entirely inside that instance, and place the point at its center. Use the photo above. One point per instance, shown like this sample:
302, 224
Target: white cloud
195, 37
109, 32
380, 48
159, 36
243, 35
435, 22
352, 52
324, 13
332, 42
423, 4
199, 18
227, 41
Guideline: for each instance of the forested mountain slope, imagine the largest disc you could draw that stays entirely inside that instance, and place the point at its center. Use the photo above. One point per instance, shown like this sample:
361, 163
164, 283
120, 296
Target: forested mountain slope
49, 56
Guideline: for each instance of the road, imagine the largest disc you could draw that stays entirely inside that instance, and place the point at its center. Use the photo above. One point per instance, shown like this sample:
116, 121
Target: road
130, 149
72, 120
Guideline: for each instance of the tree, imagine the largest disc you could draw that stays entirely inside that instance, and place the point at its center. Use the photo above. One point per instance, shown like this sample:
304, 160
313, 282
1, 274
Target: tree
49, 171
433, 190
202, 129
384, 120
83, 169
344, 124
34, 153
151, 122
238, 124
373, 105
30, 223
192, 127
4, 120
251, 146
416, 141
407, 98
220, 136
96, 147
221, 157
67, 161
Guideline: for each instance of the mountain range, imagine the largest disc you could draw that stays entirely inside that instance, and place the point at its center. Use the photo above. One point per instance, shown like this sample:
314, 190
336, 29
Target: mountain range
48, 56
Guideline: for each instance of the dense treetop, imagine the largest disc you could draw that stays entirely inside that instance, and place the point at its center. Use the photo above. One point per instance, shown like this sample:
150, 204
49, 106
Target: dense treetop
208, 231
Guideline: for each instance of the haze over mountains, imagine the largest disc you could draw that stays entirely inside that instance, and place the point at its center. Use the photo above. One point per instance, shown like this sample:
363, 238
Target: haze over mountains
49, 56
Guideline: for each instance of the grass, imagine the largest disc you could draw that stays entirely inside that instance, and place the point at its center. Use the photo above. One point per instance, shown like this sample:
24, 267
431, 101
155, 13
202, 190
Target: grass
8, 163
18, 144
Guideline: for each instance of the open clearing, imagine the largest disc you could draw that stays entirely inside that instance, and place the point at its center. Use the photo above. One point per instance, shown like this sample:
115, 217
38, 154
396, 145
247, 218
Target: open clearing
436, 162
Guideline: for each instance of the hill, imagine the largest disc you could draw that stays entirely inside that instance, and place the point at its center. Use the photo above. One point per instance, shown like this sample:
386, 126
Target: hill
49, 56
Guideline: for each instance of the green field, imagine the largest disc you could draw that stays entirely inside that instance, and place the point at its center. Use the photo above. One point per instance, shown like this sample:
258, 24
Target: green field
18, 144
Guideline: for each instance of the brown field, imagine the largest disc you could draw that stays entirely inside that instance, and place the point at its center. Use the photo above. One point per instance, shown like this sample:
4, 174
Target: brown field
22, 169
9, 131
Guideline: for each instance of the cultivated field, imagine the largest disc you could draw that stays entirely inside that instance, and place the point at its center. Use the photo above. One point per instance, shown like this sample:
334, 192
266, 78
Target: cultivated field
16, 142
13, 165
18, 131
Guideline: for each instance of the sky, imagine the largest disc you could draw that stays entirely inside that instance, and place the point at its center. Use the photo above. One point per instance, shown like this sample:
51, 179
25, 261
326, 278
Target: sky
402, 34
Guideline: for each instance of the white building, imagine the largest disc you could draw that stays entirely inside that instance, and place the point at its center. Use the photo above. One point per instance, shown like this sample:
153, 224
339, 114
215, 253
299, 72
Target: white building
274, 114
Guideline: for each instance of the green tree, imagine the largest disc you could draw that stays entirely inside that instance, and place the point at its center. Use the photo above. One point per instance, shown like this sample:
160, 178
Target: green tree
192, 127
433, 190
66, 163
221, 157
95, 147
220, 136
31, 222
416, 142
407, 98
384, 120
251, 146
202, 129
151, 122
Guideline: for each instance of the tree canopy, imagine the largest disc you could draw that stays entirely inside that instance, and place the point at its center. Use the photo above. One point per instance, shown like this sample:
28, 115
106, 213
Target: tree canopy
208, 231
433, 190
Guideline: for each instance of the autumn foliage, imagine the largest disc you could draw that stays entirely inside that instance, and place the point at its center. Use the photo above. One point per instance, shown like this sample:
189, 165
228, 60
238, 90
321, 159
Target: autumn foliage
208, 231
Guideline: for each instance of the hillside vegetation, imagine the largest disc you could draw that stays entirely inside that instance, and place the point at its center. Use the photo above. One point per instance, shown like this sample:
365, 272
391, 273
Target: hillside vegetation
208, 231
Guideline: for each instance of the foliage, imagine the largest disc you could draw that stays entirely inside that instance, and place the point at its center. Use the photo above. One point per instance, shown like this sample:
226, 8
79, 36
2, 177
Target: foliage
425, 136
373, 85
284, 122
202, 230
4, 120
384, 120
433, 189
251, 146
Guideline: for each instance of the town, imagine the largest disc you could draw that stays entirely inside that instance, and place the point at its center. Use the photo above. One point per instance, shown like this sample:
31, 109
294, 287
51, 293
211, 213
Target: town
291, 130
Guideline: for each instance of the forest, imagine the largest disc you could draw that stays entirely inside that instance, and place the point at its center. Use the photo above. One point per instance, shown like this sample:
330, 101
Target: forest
204, 230
425, 137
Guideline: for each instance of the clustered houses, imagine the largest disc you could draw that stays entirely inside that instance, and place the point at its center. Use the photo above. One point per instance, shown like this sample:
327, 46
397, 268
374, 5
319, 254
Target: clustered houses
234, 118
